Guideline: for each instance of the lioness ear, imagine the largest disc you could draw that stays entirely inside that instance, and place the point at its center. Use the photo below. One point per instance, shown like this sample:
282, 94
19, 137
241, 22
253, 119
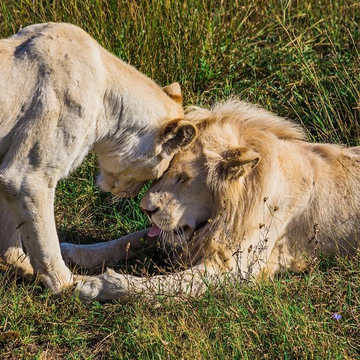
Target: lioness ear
237, 162
176, 135
174, 91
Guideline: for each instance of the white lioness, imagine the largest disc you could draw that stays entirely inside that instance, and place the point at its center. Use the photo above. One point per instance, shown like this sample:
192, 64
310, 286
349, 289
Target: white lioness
249, 197
62, 95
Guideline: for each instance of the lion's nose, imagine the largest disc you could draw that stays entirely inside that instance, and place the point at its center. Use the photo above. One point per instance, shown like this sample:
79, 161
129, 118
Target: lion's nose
149, 212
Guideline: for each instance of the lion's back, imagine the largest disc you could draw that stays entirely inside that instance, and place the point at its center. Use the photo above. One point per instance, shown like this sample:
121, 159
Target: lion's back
45, 65
59, 50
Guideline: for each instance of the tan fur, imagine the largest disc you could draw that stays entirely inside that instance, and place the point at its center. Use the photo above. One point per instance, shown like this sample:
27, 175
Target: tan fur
249, 197
63, 95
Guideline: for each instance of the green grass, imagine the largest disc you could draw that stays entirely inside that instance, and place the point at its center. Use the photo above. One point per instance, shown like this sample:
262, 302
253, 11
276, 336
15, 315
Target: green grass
299, 59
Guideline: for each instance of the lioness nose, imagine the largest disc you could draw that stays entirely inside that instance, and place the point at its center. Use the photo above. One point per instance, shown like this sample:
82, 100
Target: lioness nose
149, 212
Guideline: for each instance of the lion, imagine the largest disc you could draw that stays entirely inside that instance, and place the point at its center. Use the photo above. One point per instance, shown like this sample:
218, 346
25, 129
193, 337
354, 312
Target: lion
249, 198
62, 96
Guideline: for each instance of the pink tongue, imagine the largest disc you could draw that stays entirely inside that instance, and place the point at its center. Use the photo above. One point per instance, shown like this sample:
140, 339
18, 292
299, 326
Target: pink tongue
154, 231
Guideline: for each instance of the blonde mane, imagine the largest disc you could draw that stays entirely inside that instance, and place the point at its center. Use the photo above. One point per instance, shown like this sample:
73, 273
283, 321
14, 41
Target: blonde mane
234, 123
241, 114
228, 123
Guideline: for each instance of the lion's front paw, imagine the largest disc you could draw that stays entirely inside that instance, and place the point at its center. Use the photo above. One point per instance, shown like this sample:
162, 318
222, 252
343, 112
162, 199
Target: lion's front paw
105, 287
88, 288
69, 253
87, 256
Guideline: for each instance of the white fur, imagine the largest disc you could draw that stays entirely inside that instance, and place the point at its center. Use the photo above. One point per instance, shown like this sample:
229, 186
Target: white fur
62, 95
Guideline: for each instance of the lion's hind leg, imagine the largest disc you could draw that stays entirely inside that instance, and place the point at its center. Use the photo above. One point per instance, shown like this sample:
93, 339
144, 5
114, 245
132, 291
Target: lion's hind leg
11, 248
16, 257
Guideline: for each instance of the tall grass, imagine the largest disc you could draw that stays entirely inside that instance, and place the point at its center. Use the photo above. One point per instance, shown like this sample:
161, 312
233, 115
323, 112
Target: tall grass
297, 58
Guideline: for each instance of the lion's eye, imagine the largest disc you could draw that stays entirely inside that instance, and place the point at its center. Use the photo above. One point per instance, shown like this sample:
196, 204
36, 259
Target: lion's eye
179, 179
176, 180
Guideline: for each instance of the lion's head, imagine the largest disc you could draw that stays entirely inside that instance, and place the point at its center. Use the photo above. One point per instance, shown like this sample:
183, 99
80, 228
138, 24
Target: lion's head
186, 198
210, 186
180, 201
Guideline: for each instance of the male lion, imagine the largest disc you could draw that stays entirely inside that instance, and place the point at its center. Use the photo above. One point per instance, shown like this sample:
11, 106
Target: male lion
63, 95
249, 197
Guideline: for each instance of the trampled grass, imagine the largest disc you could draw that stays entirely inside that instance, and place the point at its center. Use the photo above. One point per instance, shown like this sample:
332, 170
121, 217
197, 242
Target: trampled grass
299, 59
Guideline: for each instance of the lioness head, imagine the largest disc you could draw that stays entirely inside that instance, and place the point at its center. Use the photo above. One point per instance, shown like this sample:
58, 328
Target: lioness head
186, 198
141, 155
127, 179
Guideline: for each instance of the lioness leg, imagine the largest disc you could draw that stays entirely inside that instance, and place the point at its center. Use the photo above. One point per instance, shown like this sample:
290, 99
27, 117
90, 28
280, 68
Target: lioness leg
114, 286
96, 256
31, 201
11, 250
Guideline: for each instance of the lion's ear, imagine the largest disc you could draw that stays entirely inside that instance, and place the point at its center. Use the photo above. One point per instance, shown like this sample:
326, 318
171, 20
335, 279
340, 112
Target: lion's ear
237, 162
174, 91
176, 135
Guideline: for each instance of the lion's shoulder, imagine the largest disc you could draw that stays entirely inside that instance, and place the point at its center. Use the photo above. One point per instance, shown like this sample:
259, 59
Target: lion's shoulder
53, 41
60, 30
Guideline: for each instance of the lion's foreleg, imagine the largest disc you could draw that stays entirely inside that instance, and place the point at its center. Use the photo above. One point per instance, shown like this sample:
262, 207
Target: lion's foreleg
97, 256
114, 286
41, 241
32, 202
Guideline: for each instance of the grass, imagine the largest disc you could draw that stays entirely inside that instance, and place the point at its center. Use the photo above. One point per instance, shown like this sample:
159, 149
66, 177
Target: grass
299, 59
